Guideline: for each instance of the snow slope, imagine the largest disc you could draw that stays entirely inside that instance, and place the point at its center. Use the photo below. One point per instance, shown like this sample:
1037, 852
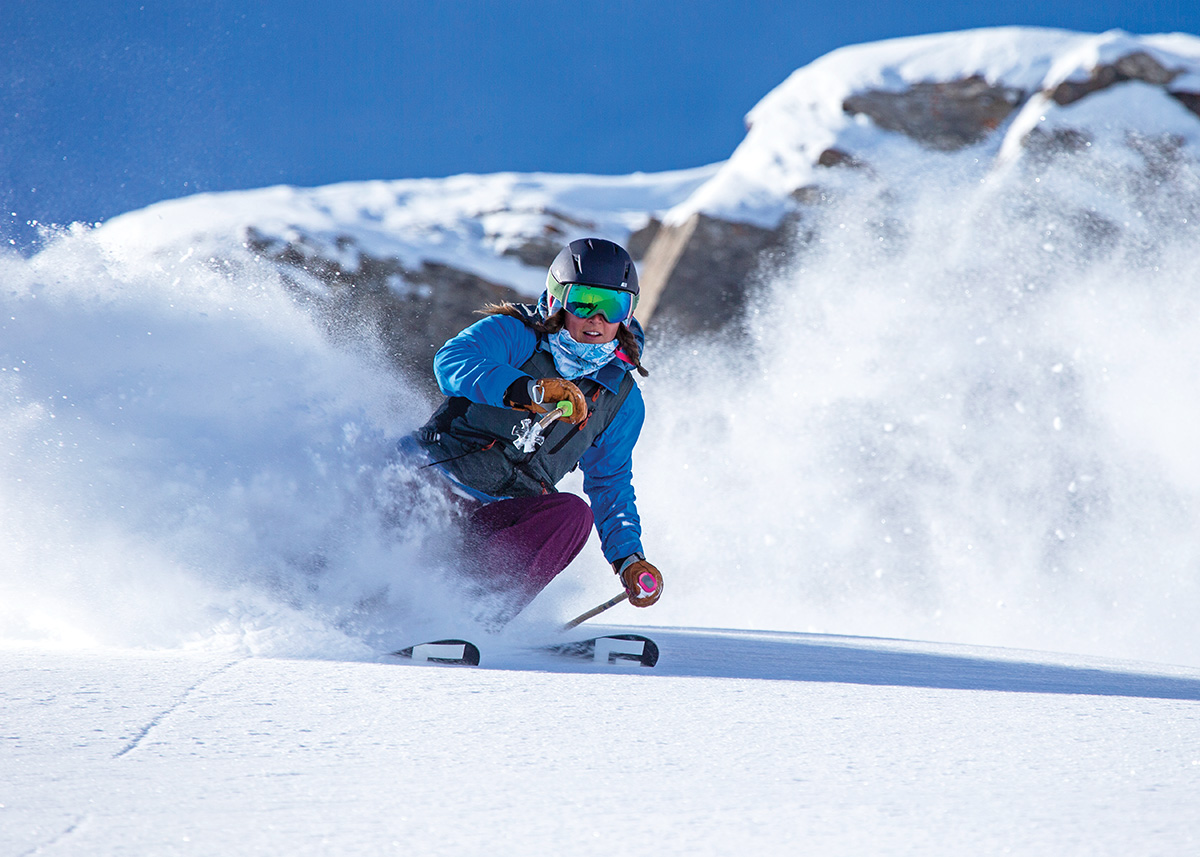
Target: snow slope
736, 743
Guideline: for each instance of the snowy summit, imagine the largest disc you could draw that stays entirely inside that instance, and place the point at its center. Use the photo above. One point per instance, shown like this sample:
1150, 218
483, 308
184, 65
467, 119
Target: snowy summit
827, 106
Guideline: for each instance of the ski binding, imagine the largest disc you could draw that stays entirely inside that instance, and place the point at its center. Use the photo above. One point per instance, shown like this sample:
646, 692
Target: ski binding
442, 652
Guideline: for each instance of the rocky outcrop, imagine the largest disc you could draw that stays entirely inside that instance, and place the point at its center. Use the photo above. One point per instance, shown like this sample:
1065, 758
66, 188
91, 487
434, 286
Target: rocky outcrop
833, 157
1190, 100
694, 277
641, 239
944, 116
697, 275
1136, 66
412, 310
538, 251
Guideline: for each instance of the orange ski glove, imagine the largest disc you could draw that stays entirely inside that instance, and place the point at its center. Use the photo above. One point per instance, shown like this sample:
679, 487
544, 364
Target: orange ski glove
642, 581
543, 396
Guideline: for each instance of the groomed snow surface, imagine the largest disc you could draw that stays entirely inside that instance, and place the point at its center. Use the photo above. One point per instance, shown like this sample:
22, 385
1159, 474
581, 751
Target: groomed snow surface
737, 743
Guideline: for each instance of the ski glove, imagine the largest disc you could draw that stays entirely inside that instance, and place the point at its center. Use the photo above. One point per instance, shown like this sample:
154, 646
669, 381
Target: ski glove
543, 396
642, 581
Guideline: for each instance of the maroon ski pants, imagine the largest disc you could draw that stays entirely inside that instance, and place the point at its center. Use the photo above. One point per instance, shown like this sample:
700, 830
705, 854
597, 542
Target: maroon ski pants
517, 546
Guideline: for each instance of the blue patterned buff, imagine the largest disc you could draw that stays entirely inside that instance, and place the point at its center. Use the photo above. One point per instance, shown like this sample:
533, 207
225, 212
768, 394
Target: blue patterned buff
576, 359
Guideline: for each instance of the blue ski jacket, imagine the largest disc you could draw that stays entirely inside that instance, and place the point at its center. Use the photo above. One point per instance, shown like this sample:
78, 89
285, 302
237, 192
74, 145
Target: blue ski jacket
480, 364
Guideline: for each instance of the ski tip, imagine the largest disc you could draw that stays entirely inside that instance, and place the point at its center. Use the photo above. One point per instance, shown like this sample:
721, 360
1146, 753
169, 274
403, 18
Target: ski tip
611, 649
442, 652
650, 657
649, 649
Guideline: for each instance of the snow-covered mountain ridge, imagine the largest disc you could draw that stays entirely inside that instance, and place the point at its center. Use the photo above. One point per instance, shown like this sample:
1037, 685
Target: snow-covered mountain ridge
984, 89
876, 121
868, 120
498, 227
413, 257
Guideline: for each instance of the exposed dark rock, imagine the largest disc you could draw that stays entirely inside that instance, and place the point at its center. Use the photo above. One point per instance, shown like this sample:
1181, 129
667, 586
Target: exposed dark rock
944, 116
413, 310
838, 158
1043, 146
1163, 153
1094, 232
639, 242
575, 223
1190, 100
811, 194
695, 275
539, 252
1136, 66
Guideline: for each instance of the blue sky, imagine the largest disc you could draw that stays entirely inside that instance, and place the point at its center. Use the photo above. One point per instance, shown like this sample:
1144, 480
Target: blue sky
108, 107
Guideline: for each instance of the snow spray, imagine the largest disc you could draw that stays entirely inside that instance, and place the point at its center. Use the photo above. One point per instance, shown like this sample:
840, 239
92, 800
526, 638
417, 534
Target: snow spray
188, 461
961, 412
964, 412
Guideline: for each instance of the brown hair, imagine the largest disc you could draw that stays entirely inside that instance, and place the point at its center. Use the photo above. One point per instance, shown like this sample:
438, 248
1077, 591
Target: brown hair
626, 341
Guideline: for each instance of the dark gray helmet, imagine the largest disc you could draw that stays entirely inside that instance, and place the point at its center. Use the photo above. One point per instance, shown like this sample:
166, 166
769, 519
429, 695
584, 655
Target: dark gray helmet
594, 262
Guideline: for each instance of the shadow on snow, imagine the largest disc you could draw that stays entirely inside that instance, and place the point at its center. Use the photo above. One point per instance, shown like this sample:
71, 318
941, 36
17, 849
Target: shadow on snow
867, 661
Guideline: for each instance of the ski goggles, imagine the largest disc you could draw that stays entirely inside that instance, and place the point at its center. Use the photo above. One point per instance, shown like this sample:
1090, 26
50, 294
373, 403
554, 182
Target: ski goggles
584, 301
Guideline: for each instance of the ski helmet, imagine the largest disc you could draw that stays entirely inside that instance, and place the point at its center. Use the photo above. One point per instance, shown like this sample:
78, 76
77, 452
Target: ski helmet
592, 262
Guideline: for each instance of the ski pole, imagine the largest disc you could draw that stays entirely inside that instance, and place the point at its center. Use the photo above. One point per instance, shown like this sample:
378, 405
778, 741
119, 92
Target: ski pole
564, 409
596, 611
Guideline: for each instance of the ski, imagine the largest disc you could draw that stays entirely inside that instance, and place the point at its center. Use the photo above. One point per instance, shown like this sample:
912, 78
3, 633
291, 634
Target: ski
442, 652
610, 649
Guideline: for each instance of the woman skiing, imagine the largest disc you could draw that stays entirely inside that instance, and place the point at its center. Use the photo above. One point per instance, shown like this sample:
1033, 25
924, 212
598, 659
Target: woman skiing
532, 392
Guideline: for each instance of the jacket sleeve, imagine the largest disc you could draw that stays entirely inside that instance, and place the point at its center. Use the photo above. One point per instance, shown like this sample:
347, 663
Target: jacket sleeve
608, 480
481, 362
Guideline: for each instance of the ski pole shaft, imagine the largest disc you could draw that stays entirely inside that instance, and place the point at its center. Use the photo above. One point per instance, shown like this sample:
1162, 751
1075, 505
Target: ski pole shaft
596, 611
551, 416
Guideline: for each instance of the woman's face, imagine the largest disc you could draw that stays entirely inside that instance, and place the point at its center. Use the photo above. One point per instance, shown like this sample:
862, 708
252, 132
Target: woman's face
594, 330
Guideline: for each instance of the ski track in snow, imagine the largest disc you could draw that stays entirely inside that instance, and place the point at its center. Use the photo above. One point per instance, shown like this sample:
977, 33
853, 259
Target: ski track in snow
167, 712
46, 847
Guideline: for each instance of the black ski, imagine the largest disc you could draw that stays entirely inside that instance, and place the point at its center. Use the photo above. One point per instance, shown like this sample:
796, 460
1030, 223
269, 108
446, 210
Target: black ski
442, 652
610, 649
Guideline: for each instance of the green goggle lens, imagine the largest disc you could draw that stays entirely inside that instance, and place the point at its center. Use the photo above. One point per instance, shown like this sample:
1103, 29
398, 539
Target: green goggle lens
585, 301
